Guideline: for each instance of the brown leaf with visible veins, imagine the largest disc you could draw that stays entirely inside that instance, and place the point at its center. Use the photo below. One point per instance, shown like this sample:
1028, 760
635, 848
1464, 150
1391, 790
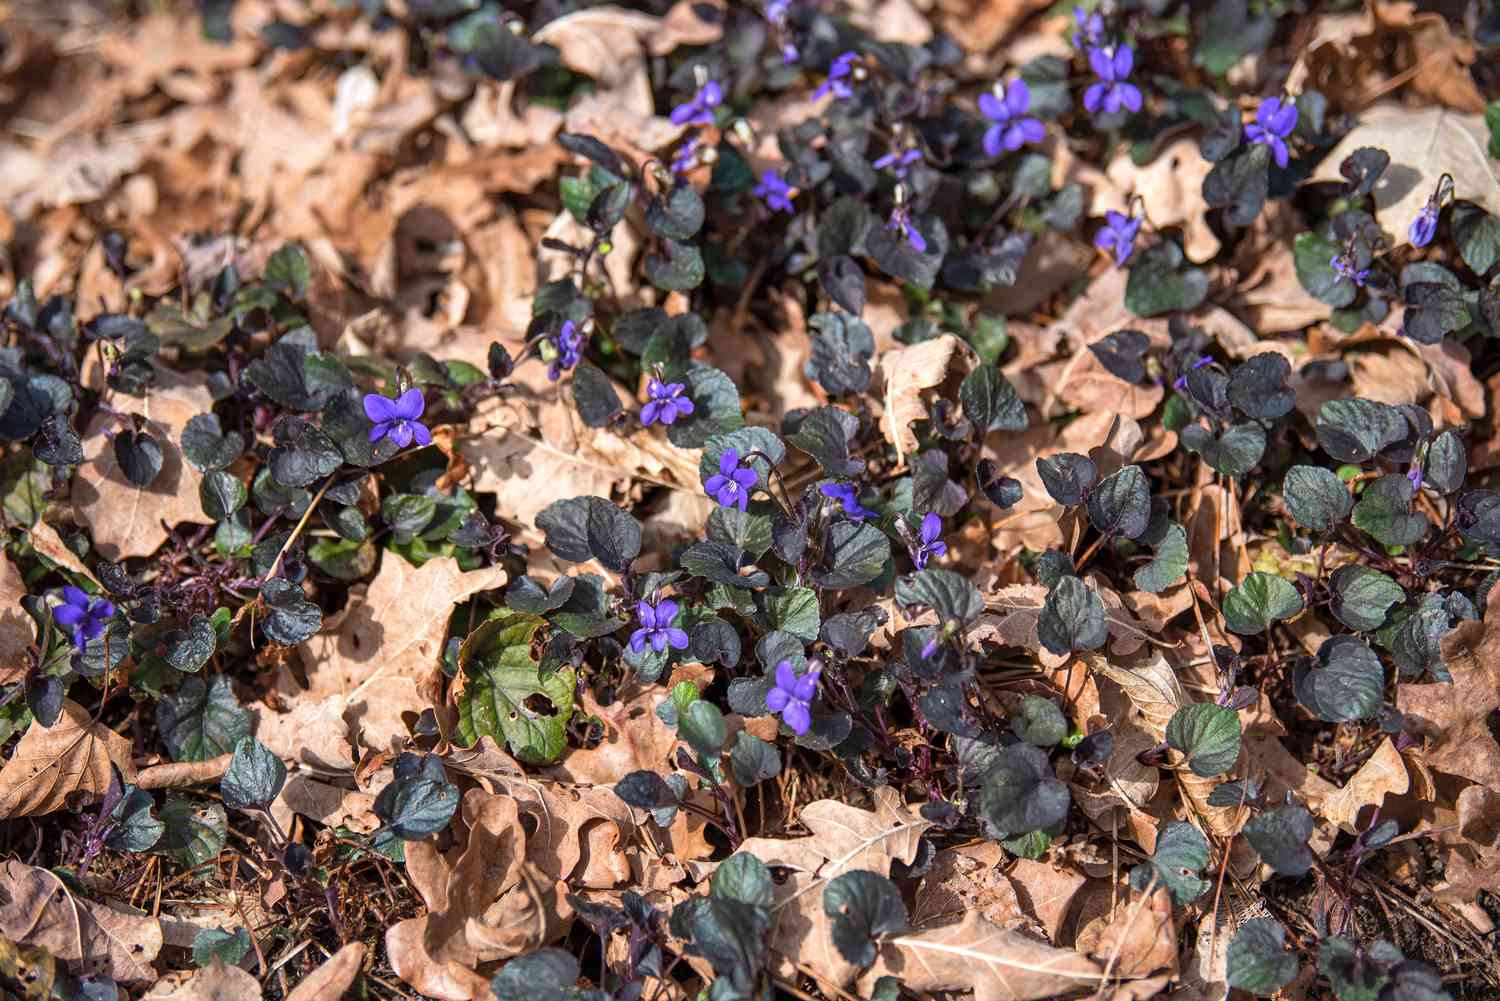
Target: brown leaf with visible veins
1139, 939
61, 767
333, 978
635, 738
906, 372
1455, 717
38, 909
382, 658
1384, 772
215, 982
997, 964
127, 520
16, 627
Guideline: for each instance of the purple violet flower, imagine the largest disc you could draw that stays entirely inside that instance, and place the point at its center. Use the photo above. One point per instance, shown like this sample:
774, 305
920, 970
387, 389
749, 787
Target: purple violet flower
732, 484
666, 404
656, 627
1006, 106
1274, 121
847, 497
838, 83
1343, 264
397, 419
1414, 477
1113, 91
567, 349
1090, 33
901, 220
1180, 383
777, 11
774, 191
1118, 235
899, 162
700, 109
792, 696
1424, 226
686, 157
87, 617
929, 544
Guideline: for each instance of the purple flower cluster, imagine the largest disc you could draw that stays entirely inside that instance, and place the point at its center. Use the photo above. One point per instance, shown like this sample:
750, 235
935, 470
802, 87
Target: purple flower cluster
840, 78
699, 110
667, 402
792, 696
398, 419
732, 484
1113, 91
774, 191
1006, 107
87, 617
656, 627
928, 544
567, 349
1274, 121
1118, 236
847, 497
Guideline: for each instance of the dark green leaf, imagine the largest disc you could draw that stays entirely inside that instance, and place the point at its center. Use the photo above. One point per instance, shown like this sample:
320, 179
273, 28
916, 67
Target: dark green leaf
139, 456
990, 402
1313, 258
1208, 735
1234, 453
855, 553
1169, 559
504, 686
1068, 477
192, 833
1316, 497
591, 527
1358, 430
676, 216
221, 494
1345, 682
825, 434
716, 408
702, 727
1181, 854
254, 778
1162, 282
680, 269
287, 271
1447, 463
953, 596
1258, 961
135, 829
419, 801
1040, 722
302, 453
594, 396
290, 617
216, 944
1072, 618
842, 346
1238, 184
187, 650
1280, 837
1477, 234
753, 760
201, 720
1362, 596
1019, 794
1384, 511
1259, 600
863, 905
794, 610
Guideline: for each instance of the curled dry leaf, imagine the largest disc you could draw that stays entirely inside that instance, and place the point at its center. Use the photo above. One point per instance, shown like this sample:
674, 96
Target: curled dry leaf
963, 879
1138, 939
62, 767
382, 658
906, 372
996, 963
215, 982
333, 978
1424, 144
16, 627
38, 909
1384, 772
635, 739
1454, 718
484, 900
127, 520
1046, 892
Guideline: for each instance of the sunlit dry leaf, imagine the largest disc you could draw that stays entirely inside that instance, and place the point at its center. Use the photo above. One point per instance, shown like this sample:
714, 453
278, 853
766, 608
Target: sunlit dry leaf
313, 732
1046, 891
16, 627
333, 978
997, 964
215, 982
967, 878
1138, 939
1424, 144
1384, 772
127, 520
92, 936
63, 767
1454, 718
635, 738
382, 657
1171, 186
906, 372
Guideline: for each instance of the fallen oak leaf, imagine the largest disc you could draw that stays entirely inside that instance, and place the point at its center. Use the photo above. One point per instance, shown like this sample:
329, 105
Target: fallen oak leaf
1383, 772
61, 767
38, 909
906, 373
996, 963
215, 982
16, 627
1455, 717
127, 520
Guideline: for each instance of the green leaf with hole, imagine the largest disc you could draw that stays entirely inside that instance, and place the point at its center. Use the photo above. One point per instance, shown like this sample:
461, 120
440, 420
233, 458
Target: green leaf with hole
508, 696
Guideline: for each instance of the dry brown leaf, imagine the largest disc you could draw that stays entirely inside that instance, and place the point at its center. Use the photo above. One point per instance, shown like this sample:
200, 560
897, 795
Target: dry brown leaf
1424, 144
165, 49
92, 936
46, 541
62, 767
963, 879
997, 964
980, 25
126, 520
325, 803
1384, 772
905, 373
382, 658
1455, 717
1138, 939
215, 982
635, 738
329, 981
1046, 891
16, 627
850, 838
1171, 186
607, 43
312, 733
